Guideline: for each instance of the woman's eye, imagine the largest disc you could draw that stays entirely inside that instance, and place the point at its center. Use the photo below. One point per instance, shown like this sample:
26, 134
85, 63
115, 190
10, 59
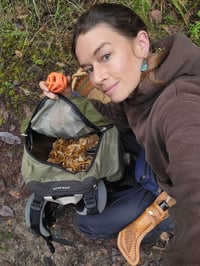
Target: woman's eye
88, 70
106, 57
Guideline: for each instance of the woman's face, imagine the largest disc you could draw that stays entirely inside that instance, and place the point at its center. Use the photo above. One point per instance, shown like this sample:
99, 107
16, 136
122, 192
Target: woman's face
112, 61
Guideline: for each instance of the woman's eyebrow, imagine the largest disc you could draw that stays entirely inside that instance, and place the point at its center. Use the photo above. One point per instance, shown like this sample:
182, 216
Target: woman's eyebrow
100, 47
96, 52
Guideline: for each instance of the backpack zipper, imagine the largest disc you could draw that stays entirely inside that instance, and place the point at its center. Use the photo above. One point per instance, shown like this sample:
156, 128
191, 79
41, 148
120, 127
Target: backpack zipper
62, 168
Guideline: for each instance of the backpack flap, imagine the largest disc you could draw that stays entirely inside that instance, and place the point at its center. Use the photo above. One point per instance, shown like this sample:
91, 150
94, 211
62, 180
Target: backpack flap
69, 119
57, 119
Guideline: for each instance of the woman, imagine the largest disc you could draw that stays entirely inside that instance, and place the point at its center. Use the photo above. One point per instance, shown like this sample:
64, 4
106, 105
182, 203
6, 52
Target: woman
155, 91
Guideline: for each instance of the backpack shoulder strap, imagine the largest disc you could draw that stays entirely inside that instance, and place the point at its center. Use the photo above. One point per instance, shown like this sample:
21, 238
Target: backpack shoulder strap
37, 220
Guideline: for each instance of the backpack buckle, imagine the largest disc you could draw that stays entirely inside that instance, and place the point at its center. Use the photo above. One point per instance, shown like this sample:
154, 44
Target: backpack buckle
90, 203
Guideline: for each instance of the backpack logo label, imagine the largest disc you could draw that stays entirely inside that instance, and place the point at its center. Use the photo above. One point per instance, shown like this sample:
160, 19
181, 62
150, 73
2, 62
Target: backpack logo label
61, 188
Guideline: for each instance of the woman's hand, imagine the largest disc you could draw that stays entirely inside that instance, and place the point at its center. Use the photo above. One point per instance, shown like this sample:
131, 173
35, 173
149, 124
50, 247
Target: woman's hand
54, 96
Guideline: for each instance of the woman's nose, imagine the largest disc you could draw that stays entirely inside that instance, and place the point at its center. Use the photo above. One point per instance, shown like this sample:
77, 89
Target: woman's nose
99, 75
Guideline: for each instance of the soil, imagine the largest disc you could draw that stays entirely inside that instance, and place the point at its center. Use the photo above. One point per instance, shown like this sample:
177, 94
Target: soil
20, 247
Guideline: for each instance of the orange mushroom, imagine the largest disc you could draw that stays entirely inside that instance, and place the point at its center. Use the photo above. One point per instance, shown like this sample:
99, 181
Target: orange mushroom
56, 82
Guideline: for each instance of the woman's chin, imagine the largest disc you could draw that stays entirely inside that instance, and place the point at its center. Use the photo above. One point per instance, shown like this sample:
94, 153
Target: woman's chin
118, 98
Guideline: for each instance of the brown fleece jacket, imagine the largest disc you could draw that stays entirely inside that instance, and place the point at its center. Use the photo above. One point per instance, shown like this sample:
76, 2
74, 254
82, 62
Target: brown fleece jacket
166, 122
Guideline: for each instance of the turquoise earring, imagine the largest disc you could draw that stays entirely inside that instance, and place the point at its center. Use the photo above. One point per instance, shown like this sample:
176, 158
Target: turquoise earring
144, 66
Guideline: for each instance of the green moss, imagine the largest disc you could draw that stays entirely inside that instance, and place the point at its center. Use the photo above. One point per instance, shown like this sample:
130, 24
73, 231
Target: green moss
5, 235
195, 30
1, 121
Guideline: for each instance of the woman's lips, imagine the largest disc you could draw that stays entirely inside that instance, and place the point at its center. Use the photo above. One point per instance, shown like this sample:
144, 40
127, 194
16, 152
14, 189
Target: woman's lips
110, 89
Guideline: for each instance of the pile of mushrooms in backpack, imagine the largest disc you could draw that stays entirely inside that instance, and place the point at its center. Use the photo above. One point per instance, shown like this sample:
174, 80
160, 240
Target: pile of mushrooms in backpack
74, 155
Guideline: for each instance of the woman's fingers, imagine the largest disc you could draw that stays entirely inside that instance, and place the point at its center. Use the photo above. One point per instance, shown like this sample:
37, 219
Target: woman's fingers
43, 86
50, 95
67, 92
46, 91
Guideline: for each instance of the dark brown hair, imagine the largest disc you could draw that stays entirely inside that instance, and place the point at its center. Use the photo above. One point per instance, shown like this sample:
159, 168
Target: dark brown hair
123, 20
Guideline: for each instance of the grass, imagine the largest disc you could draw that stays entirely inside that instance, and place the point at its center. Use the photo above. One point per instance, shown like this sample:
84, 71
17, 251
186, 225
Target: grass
194, 29
35, 38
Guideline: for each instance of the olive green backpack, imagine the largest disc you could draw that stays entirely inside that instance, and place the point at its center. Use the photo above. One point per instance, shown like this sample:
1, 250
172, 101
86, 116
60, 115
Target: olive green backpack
64, 118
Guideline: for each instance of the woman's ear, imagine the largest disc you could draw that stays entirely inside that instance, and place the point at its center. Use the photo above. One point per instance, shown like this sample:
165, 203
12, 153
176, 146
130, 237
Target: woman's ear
141, 44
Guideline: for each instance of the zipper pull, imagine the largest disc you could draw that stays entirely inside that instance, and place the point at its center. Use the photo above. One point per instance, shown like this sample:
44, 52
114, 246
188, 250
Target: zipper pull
104, 128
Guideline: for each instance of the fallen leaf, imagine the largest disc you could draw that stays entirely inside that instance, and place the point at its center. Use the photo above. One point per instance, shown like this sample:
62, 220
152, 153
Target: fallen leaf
164, 237
6, 211
26, 91
170, 29
60, 64
155, 16
9, 138
27, 110
9, 222
18, 26
15, 194
12, 128
20, 181
19, 54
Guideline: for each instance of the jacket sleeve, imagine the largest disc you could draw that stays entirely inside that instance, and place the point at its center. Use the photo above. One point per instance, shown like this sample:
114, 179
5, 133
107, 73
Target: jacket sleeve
115, 112
180, 127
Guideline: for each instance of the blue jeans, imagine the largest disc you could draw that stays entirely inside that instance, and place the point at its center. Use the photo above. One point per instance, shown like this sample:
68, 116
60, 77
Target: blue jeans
122, 208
